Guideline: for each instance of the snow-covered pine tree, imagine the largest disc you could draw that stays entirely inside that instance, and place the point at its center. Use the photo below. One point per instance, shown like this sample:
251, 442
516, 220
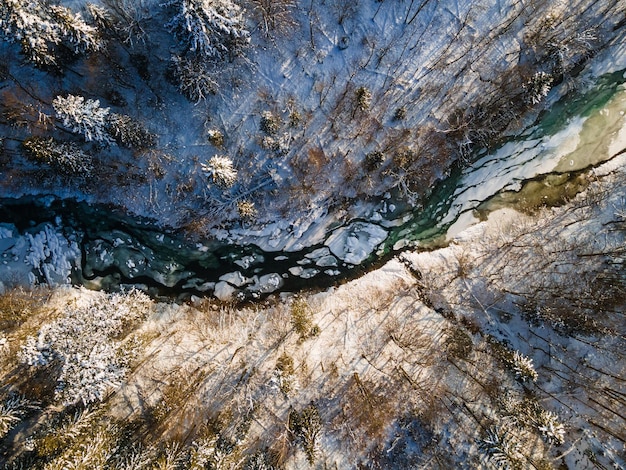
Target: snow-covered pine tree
538, 87
26, 23
75, 33
66, 157
85, 340
211, 28
501, 448
84, 117
100, 16
221, 170
12, 411
551, 429
42, 29
306, 426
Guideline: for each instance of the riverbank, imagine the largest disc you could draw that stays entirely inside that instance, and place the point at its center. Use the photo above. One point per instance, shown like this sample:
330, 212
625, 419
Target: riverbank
513, 333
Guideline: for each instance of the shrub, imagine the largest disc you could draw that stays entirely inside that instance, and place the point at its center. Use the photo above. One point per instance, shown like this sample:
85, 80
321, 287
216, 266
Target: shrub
277, 144
301, 319
16, 305
283, 375
295, 118
458, 342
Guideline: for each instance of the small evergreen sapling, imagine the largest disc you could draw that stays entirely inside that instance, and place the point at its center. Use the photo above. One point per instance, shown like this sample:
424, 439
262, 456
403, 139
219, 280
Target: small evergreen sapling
221, 170
216, 137
246, 209
270, 123
363, 98
523, 367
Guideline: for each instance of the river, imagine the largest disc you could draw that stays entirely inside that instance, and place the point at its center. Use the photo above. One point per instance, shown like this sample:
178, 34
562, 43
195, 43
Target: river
44, 239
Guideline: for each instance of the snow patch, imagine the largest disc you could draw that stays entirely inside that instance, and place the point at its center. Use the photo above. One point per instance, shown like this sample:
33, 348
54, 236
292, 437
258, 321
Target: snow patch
224, 291
235, 278
355, 243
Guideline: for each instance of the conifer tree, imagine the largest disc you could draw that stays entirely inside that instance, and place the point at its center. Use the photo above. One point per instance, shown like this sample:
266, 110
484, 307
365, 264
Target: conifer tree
83, 117
211, 28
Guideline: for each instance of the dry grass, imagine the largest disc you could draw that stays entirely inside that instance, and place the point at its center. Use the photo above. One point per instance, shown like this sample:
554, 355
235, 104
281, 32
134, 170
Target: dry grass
17, 305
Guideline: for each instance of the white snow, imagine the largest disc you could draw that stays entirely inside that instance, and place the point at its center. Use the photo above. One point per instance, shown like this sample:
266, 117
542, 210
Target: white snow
235, 278
266, 283
355, 243
224, 291
304, 273
42, 252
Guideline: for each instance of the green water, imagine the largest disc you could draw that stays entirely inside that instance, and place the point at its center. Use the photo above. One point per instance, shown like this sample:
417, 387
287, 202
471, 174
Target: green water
600, 112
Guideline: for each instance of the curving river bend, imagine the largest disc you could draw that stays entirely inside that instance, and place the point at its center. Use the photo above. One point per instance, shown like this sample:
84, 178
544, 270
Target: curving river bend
43, 239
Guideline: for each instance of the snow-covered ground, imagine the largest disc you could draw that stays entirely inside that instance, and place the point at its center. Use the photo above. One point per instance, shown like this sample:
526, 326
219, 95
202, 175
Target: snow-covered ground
511, 335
